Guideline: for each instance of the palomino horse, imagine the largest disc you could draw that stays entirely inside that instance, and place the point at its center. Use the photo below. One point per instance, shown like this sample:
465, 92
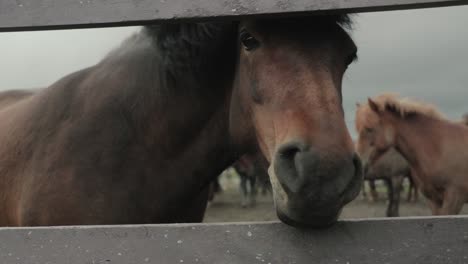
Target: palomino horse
434, 147
138, 137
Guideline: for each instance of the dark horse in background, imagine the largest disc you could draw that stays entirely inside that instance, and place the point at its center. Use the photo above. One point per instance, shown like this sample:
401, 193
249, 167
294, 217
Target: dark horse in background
138, 137
392, 168
253, 171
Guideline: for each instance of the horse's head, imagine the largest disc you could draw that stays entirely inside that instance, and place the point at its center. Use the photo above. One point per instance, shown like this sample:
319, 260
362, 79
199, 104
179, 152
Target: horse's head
375, 135
287, 100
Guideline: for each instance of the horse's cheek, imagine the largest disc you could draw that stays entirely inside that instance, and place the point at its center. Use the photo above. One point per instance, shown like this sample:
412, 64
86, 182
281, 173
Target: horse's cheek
389, 136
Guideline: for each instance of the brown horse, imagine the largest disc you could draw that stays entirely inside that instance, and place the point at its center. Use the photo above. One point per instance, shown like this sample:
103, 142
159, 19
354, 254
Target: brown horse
138, 137
434, 147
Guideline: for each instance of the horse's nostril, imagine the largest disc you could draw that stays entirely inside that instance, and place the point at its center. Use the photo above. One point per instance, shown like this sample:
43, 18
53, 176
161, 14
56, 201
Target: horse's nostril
289, 152
289, 165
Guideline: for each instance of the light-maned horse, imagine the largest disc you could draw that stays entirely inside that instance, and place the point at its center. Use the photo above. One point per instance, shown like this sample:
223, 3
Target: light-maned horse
435, 148
138, 137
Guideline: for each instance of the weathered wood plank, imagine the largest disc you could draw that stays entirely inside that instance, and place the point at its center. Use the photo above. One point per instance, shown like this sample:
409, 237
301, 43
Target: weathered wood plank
16, 15
411, 240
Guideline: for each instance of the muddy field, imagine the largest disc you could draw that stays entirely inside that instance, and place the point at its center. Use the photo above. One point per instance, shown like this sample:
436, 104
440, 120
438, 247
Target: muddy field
226, 206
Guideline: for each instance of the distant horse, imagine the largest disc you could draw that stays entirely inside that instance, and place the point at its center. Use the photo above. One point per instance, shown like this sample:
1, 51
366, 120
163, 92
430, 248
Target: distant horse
138, 137
435, 148
412, 194
214, 188
392, 168
252, 170
374, 195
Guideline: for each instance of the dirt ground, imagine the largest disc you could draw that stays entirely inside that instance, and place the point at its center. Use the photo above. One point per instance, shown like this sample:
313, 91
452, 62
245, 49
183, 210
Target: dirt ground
226, 206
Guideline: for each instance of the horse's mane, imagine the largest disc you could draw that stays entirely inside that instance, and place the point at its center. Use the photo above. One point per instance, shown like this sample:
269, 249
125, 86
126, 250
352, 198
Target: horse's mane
176, 40
404, 106
344, 20
179, 48
167, 60
185, 55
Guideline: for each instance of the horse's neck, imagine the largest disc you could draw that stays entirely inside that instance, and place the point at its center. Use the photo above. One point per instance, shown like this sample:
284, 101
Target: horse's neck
419, 142
193, 126
201, 142
178, 99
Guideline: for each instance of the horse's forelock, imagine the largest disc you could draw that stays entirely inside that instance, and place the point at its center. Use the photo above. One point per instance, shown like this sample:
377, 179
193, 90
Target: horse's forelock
345, 21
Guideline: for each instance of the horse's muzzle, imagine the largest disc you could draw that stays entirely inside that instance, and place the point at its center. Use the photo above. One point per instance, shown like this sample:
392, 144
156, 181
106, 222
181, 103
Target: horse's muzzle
317, 185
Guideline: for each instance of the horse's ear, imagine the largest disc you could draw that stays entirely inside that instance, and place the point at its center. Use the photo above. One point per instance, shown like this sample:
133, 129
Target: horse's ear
373, 105
358, 104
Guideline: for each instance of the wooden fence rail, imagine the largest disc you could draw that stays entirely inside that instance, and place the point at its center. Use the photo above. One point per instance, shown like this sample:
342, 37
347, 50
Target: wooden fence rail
17, 15
407, 240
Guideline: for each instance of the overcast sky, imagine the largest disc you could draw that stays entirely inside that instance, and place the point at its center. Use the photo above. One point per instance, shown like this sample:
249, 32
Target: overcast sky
419, 53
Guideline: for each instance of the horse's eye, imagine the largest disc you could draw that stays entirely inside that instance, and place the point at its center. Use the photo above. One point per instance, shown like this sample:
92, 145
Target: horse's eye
369, 130
248, 41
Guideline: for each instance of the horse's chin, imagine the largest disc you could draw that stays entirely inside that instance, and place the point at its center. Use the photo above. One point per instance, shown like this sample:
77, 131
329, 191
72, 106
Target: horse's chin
316, 221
